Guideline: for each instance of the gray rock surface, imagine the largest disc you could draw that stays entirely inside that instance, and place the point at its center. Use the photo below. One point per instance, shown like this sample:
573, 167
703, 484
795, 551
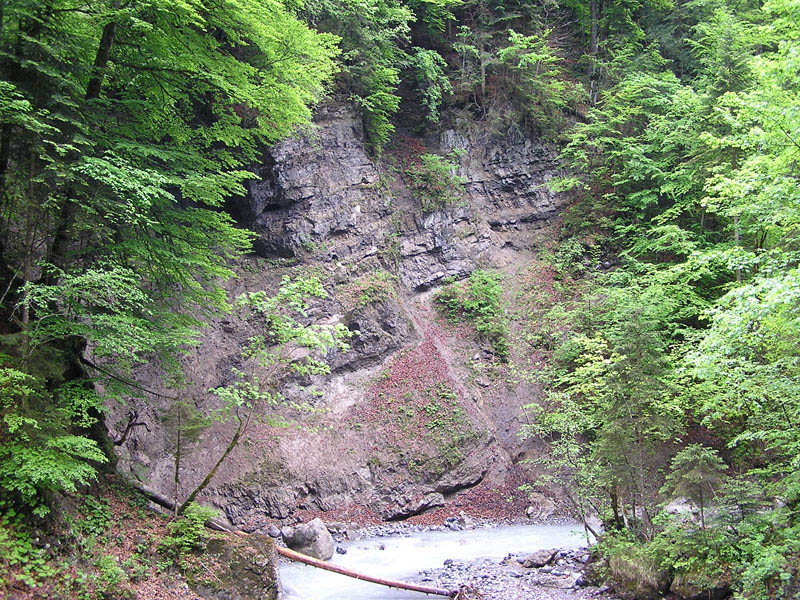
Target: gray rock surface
540, 558
249, 569
541, 507
507, 580
320, 202
312, 539
322, 192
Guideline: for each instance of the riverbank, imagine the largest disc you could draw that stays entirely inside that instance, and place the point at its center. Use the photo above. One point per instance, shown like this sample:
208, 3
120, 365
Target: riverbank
510, 579
514, 577
449, 556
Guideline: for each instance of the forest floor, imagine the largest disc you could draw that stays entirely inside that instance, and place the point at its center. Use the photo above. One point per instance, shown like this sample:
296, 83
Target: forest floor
108, 547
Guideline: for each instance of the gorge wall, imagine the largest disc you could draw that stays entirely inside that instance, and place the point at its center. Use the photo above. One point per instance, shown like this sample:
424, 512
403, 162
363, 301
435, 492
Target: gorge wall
415, 411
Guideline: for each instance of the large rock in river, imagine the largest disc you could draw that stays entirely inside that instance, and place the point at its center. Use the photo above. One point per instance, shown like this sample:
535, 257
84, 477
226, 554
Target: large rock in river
312, 539
540, 558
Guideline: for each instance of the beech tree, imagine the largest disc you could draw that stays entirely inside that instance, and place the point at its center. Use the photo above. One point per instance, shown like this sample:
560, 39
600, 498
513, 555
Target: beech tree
125, 128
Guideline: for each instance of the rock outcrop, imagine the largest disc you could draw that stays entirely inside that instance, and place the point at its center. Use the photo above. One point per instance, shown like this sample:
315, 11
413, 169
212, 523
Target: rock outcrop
248, 570
321, 192
321, 205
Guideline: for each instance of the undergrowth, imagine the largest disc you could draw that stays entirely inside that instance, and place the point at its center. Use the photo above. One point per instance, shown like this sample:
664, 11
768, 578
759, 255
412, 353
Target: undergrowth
479, 302
369, 289
435, 180
105, 547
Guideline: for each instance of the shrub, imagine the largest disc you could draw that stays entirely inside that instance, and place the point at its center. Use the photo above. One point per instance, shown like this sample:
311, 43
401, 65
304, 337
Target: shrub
434, 179
38, 451
20, 559
96, 516
479, 303
369, 289
187, 534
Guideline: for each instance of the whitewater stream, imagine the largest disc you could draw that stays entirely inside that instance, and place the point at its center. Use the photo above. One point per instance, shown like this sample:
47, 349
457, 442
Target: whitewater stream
400, 557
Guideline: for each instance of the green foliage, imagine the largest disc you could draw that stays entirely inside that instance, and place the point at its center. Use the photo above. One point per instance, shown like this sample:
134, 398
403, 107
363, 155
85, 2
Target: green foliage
110, 572
510, 66
37, 453
369, 289
435, 14
434, 179
18, 553
283, 335
696, 471
685, 175
480, 302
95, 518
373, 35
428, 66
284, 344
571, 257
125, 129
187, 534
535, 81
747, 363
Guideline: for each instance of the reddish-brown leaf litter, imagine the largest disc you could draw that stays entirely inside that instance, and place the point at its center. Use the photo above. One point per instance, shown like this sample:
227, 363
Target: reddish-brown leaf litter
408, 395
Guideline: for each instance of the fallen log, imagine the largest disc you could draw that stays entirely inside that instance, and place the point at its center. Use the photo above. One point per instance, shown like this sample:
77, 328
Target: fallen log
412, 587
165, 502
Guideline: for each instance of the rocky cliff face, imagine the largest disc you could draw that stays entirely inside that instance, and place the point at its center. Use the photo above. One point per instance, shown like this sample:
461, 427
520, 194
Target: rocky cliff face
322, 194
401, 424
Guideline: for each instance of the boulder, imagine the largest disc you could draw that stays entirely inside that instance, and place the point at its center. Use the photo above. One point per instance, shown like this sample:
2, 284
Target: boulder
244, 568
466, 521
337, 527
311, 539
274, 531
541, 507
635, 576
540, 558
402, 506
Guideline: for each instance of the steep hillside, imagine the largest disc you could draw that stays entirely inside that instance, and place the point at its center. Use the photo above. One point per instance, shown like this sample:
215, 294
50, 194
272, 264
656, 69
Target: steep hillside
416, 410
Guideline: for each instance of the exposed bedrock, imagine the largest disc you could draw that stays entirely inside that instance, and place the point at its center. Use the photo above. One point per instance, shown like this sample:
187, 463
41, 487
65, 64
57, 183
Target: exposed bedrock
321, 193
352, 438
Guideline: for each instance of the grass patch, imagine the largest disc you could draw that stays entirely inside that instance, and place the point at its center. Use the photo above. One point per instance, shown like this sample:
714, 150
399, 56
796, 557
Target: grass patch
368, 290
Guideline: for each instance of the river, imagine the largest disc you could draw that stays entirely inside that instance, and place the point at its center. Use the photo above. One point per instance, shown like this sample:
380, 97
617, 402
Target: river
401, 557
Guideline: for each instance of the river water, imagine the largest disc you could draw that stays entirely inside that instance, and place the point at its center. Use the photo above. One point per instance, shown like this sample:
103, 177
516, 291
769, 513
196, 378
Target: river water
399, 558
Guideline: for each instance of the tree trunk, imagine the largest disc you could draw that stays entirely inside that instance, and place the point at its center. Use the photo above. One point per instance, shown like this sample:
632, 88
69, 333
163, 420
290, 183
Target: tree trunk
5, 156
178, 459
482, 54
736, 233
737, 242
702, 512
618, 523
69, 210
321, 564
582, 513
165, 502
234, 441
592, 72
101, 61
